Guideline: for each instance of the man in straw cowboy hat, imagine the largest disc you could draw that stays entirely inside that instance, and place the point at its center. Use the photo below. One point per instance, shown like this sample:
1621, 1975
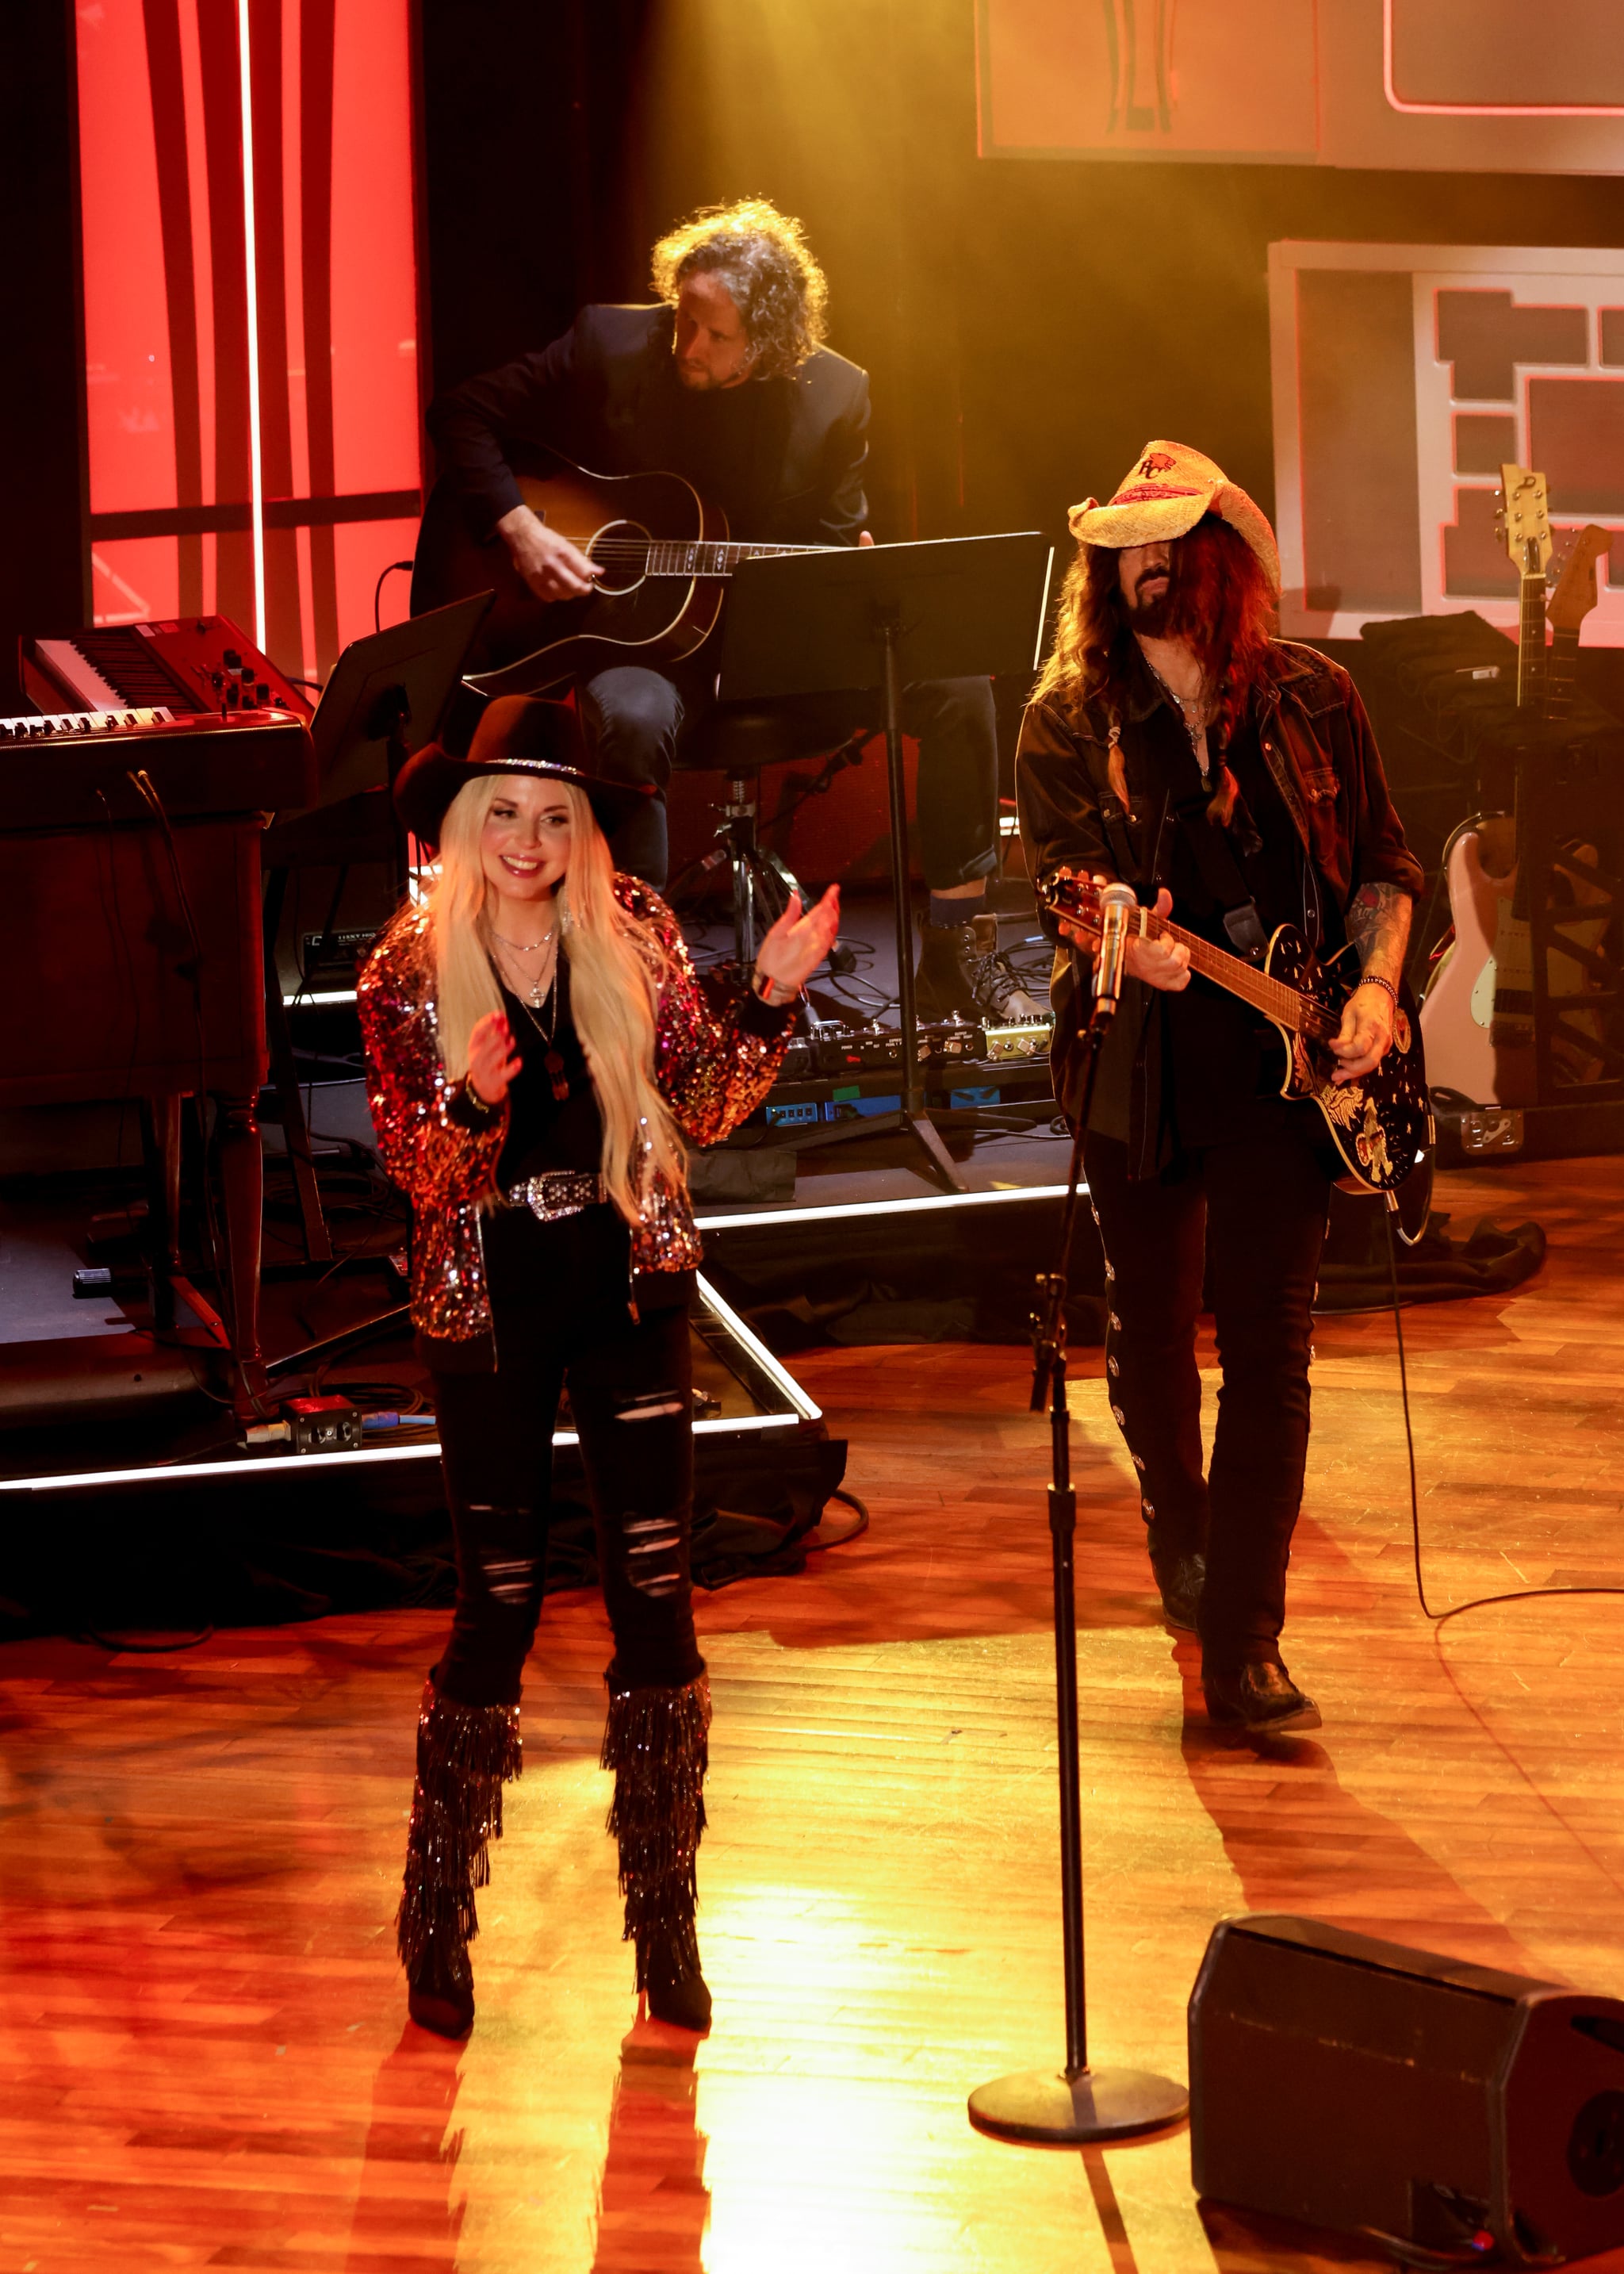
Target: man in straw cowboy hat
1174, 744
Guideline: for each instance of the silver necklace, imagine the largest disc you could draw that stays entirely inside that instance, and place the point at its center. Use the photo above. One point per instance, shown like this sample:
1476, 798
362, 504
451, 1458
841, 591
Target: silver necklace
537, 993
522, 948
1194, 710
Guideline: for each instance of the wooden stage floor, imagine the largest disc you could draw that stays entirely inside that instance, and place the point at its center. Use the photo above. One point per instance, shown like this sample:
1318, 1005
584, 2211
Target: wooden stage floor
206, 2061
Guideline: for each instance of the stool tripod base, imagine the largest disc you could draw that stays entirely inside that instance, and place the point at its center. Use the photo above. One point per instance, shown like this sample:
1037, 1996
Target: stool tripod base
1049, 2109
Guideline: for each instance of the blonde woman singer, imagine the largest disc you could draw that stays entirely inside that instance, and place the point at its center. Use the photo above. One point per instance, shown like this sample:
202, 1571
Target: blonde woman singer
537, 1049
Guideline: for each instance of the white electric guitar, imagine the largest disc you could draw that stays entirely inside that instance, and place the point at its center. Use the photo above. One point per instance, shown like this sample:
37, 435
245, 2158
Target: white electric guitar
1477, 1028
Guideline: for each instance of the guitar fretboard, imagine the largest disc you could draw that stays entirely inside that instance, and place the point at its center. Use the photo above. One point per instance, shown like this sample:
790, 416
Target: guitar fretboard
1532, 640
1287, 1006
715, 557
1561, 666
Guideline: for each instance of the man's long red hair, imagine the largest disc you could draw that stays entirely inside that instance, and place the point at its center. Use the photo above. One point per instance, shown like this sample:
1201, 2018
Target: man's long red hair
1219, 600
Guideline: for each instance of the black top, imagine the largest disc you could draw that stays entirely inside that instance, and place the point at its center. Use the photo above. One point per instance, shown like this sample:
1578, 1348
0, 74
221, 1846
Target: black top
1224, 1061
783, 457
589, 1252
544, 1132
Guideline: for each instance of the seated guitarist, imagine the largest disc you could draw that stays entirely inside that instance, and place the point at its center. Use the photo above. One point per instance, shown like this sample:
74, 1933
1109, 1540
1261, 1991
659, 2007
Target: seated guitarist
724, 381
1174, 744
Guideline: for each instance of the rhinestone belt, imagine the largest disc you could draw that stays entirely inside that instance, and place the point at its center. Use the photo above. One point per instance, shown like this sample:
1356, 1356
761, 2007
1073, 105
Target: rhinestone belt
558, 1192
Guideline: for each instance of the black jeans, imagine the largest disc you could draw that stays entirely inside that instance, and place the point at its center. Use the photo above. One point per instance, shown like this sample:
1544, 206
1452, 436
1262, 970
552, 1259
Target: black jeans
1254, 1214
634, 719
631, 1394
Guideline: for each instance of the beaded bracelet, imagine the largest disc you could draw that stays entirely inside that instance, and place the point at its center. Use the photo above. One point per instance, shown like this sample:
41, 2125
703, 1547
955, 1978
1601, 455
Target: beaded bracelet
1375, 979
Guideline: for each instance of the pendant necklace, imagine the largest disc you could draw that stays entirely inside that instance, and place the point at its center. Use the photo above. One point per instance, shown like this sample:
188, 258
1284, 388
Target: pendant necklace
553, 1060
1196, 714
533, 947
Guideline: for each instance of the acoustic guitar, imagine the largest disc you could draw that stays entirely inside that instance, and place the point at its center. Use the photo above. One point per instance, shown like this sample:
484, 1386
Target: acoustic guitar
1379, 1123
665, 555
1477, 1014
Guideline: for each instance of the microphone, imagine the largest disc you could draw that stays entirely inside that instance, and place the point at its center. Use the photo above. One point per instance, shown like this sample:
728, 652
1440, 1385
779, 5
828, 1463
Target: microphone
1117, 903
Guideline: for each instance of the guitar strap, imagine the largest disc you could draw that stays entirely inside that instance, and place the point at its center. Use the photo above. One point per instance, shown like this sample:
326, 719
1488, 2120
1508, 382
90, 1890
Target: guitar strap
1221, 874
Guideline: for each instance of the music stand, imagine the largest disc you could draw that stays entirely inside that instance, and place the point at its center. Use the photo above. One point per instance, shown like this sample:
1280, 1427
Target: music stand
388, 696
883, 617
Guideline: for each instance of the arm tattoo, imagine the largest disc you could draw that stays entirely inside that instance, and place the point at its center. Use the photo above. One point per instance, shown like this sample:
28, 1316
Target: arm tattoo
1379, 926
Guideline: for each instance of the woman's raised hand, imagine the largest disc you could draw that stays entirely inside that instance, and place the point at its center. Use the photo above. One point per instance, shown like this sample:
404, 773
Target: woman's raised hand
493, 1062
799, 943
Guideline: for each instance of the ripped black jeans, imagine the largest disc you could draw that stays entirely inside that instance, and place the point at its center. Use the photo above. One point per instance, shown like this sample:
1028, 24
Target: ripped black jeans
561, 1318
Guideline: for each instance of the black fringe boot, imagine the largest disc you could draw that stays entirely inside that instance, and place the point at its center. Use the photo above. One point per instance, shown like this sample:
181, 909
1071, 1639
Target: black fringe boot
655, 1742
465, 1755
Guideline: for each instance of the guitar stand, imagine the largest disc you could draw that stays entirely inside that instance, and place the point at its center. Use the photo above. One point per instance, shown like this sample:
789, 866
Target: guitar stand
1078, 2105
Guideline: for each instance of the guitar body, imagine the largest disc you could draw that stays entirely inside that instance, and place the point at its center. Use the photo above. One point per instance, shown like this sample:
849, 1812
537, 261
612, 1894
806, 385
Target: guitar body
1458, 1012
1380, 1123
526, 644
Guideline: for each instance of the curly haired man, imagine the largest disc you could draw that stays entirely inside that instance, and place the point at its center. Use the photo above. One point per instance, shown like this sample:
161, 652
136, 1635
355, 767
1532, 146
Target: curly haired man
725, 381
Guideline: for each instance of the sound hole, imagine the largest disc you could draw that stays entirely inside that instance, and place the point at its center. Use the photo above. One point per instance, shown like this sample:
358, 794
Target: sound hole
1596, 2145
621, 549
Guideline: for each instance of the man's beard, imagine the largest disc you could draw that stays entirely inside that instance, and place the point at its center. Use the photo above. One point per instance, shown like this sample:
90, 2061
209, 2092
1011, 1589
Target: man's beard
1151, 618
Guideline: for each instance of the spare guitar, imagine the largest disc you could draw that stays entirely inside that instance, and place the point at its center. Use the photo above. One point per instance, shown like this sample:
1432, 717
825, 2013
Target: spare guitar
665, 555
1379, 1123
1476, 1017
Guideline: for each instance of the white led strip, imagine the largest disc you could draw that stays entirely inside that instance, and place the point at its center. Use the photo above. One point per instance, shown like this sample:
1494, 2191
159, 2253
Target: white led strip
251, 276
760, 1217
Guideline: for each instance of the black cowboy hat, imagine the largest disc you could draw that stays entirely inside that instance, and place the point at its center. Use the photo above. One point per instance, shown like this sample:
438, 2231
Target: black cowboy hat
516, 734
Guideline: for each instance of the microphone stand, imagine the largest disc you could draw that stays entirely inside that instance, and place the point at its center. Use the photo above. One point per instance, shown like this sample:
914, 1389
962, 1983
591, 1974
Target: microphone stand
1078, 2105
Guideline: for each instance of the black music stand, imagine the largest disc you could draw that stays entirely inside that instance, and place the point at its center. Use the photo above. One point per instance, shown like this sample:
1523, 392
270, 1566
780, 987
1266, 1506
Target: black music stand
882, 617
388, 696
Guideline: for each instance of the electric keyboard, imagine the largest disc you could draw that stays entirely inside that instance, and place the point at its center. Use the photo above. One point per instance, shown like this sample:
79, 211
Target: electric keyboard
192, 663
42, 727
72, 769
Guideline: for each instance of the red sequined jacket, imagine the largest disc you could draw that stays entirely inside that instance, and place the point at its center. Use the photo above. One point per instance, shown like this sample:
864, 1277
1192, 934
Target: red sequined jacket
711, 1071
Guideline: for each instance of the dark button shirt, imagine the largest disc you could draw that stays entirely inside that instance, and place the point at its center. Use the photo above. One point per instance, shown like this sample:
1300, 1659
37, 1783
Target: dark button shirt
1225, 1062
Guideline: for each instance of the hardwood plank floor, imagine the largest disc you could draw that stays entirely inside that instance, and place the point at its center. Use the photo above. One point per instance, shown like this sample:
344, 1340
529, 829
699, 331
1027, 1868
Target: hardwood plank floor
205, 2060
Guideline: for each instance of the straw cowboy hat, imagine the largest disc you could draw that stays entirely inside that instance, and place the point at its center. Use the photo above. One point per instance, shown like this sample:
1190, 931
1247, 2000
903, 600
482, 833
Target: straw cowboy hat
1166, 492
516, 734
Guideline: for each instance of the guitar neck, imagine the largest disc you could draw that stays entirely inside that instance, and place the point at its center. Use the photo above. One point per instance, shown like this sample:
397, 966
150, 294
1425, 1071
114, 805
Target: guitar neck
1531, 641
1286, 1006
709, 556
1561, 666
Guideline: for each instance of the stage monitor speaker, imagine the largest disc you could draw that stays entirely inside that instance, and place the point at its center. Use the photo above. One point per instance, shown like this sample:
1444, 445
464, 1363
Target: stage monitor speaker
1357, 2084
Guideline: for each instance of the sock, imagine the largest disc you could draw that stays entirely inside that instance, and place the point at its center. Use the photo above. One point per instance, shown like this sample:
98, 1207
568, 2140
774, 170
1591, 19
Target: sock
957, 907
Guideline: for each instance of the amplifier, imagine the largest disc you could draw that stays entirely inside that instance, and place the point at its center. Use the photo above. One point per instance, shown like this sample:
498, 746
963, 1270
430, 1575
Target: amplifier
332, 959
1358, 2084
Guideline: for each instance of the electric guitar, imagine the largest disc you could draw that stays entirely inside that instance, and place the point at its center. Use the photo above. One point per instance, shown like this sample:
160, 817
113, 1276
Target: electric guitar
1477, 1016
1379, 1123
665, 556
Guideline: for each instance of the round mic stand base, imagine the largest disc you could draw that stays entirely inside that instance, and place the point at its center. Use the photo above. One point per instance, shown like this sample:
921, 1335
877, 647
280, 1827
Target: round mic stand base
1049, 2109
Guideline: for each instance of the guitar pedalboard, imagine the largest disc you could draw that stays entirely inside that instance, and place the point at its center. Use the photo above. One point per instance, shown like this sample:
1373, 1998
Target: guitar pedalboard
837, 1052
